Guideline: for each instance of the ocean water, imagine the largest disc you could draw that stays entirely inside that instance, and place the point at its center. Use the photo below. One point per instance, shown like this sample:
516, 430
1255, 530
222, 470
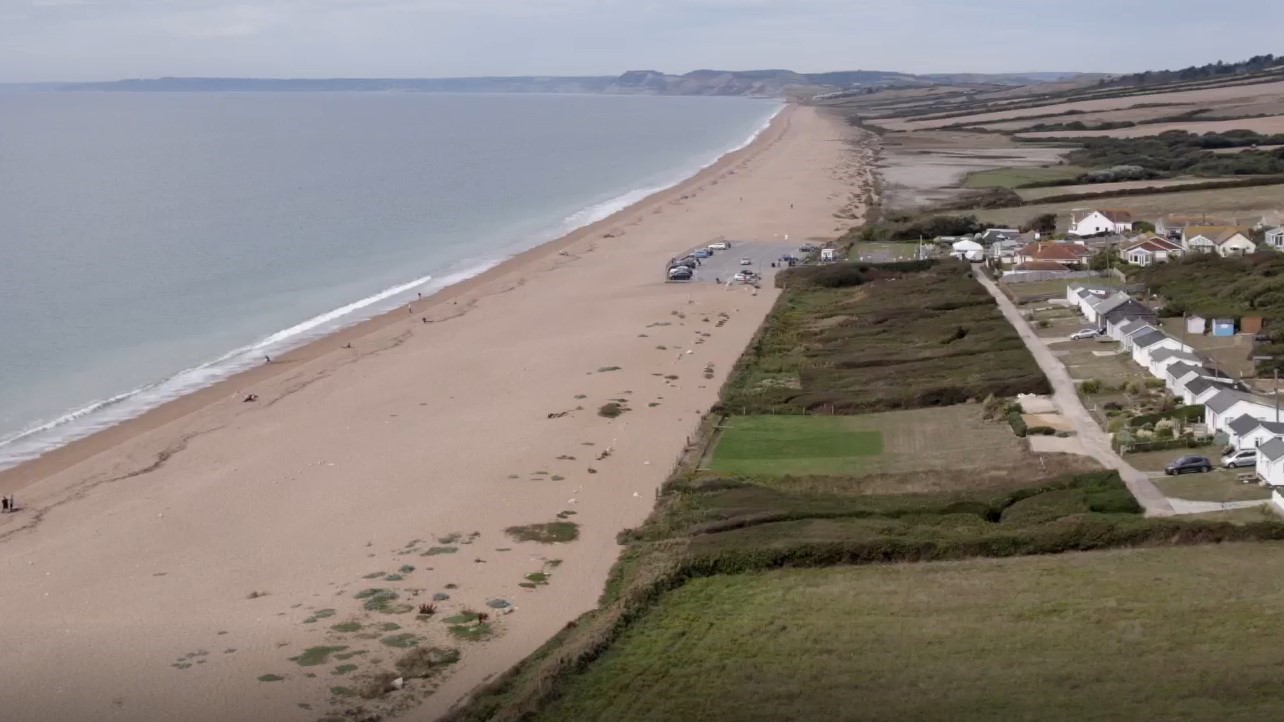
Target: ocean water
153, 243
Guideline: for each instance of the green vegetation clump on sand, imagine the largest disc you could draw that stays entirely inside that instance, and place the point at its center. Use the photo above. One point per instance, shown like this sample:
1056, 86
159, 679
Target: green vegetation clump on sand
550, 533
852, 338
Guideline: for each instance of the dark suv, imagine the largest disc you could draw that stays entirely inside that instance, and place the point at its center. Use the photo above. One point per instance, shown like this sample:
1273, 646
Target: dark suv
1196, 464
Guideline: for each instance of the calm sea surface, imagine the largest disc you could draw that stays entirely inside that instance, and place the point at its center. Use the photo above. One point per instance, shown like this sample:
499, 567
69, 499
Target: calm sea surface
151, 244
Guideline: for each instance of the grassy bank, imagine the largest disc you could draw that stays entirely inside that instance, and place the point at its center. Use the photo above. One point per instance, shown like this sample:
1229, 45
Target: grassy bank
1066, 638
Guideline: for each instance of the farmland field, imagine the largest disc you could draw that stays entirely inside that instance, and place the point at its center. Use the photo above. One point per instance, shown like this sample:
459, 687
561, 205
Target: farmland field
1243, 204
1013, 177
1034, 194
1168, 633
891, 442
1268, 125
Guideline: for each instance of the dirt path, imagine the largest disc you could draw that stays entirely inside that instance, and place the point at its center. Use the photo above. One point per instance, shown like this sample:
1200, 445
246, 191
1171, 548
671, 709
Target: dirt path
1095, 441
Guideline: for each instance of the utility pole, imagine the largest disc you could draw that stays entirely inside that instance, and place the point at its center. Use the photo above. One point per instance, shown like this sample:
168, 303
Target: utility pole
1277, 394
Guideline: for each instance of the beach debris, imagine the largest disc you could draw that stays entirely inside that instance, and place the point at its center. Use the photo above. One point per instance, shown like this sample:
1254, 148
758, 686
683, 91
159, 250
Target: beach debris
398, 683
440, 597
499, 603
635, 494
571, 501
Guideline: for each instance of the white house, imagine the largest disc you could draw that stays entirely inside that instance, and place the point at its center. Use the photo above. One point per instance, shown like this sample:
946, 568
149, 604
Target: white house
968, 250
1143, 343
1178, 372
1270, 464
1222, 240
1094, 307
1151, 250
1201, 390
1130, 338
1275, 238
1122, 328
1162, 358
1088, 222
1228, 404
1262, 432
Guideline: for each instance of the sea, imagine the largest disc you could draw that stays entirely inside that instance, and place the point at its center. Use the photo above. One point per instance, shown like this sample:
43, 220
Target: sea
154, 243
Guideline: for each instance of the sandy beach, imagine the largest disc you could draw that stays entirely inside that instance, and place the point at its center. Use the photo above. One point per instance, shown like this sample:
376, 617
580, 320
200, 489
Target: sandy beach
170, 567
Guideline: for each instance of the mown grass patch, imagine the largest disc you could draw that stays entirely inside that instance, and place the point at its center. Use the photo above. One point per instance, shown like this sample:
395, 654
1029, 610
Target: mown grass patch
794, 444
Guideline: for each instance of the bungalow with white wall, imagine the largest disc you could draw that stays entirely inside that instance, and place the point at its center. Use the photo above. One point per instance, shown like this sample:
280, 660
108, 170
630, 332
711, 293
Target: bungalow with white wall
1147, 344
1131, 337
1128, 310
1260, 433
1120, 329
1162, 358
1151, 250
1229, 404
1222, 240
1089, 222
1270, 465
1275, 238
1095, 307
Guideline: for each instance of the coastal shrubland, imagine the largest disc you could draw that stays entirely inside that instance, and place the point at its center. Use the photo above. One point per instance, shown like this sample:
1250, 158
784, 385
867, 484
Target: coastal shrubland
922, 333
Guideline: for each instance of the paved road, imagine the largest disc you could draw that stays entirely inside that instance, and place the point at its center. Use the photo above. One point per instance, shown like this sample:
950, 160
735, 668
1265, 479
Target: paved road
1095, 441
724, 264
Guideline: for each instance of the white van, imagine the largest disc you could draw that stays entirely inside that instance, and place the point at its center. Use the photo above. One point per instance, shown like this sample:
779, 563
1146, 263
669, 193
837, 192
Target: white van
719, 246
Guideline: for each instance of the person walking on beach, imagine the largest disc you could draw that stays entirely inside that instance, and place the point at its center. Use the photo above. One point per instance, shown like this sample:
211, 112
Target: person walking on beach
267, 359
4, 505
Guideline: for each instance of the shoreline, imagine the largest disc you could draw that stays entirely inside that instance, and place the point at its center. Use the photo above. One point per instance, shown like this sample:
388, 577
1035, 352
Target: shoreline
17, 478
189, 569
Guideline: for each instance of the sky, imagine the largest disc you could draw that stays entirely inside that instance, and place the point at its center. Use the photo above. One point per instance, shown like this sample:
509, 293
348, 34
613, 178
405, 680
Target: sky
61, 40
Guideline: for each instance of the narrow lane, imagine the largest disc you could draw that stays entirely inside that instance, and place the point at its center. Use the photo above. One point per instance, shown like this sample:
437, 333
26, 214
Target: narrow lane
1094, 439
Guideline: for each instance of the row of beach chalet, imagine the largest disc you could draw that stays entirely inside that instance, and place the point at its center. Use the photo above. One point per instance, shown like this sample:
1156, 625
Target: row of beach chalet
1126, 238
1232, 414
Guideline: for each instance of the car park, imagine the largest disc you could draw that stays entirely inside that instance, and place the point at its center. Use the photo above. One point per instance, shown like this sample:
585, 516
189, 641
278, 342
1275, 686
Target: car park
1188, 465
1085, 333
1236, 459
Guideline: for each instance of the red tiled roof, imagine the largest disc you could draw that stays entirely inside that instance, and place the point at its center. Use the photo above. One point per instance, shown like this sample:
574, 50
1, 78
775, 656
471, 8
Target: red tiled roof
1040, 266
1055, 251
1154, 244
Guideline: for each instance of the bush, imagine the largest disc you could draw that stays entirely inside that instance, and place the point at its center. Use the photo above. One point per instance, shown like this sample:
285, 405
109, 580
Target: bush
1041, 431
1188, 414
1091, 386
1017, 423
1155, 383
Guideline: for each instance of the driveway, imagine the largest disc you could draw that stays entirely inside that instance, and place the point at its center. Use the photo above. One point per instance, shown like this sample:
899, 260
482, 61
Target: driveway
1096, 443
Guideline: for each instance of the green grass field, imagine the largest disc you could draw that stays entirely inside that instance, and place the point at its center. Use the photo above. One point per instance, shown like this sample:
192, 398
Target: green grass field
1154, 634
1233, 204
916, 440
795, 445
1014, 177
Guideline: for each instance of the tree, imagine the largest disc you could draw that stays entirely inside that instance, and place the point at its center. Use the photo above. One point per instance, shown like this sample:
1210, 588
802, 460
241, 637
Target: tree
1044, 223
1143, 226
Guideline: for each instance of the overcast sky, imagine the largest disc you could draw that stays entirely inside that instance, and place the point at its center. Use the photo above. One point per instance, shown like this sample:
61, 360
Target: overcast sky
109, 39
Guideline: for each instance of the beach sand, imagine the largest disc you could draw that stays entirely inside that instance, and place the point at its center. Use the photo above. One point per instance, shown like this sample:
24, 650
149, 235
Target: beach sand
128, 576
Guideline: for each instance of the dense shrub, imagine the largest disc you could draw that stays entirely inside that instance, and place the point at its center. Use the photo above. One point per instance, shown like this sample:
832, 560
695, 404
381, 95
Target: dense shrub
1188, 414
1091, 386
1041, 431
1017, 423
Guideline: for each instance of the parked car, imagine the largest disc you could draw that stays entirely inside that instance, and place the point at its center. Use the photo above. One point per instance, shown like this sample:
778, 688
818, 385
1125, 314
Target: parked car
1085, 333
807, 248
1189, 464
680, 273
1236, 459
746, 262
719, 246
703, 253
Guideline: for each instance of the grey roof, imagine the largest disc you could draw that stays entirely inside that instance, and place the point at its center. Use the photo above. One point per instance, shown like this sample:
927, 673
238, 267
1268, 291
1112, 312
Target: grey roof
1179, 369
1199, 386
1129, 326
1244, 424
1227, 398
1109, 303
1273, 449
1167, 353
1148, 339
1275, 427
1131, 308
